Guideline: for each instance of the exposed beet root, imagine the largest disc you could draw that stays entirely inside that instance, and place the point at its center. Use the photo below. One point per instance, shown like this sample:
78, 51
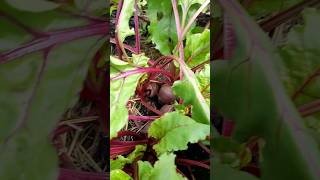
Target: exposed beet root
167, 108
152, 89
166, 95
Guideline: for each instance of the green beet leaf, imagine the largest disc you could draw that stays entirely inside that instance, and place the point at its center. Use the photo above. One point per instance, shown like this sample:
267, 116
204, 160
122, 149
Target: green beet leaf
197, 48
119, 175
164, 168
162, 25
175, 131
40, 77
123, 24
224, 172
231, 153
301, 59
203, 78
262, 8
121, 90
250, 83
121, 161
33, 5
189, 86
301, 64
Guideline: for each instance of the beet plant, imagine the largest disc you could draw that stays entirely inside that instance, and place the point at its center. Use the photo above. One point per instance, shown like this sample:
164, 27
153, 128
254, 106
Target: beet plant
45, 51
266, 87
160, 89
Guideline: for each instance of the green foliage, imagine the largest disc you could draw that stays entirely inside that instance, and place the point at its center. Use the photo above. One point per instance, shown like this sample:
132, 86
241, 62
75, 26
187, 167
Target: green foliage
119, 175
164, 168
175, 131
301, 58
121, 90
123, 25
231, 153
163, 28
33, 5
187, 86
224, 172
121, 161
262, 8
197, 48
250, 82
38, 84
203, 79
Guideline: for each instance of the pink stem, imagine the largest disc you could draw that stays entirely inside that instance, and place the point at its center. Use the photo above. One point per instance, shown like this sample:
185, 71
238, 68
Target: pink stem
53, 38
121, 143
141, 70
151, 108
188, 162
126, 46
142, 118
129, 133
136, 26
179, 32
227, 127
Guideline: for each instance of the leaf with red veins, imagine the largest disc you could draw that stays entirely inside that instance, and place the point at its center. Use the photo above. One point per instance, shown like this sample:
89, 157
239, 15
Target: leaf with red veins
39, 79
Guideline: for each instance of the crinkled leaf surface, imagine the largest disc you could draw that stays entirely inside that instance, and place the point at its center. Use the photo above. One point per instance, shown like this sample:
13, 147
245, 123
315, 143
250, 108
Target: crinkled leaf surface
261, 106
121, 161
40, 77
123, 24
121, 90
164, 168
119, 175
175, 131
197, 48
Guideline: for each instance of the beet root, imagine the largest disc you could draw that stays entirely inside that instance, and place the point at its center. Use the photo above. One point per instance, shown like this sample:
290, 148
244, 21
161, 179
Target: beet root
166, 95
